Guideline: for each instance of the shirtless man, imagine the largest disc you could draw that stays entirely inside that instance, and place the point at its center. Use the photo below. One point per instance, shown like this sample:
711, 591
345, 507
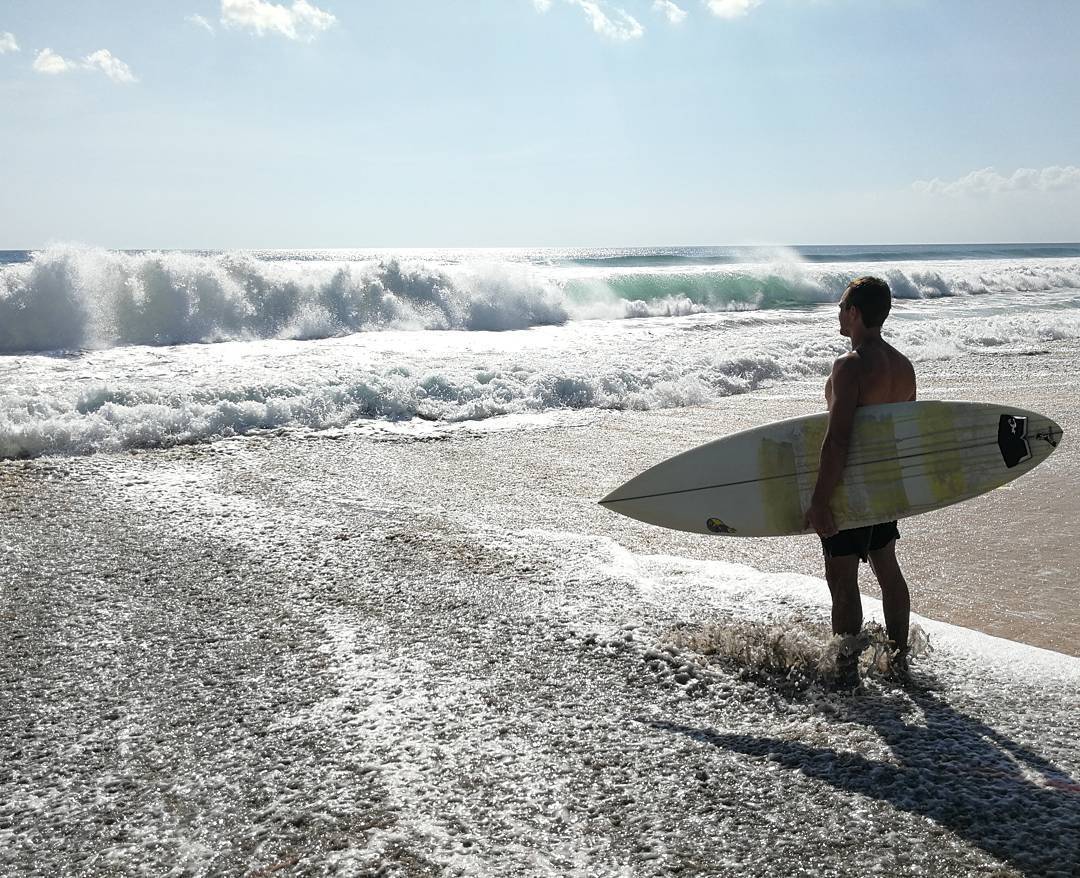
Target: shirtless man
874, 372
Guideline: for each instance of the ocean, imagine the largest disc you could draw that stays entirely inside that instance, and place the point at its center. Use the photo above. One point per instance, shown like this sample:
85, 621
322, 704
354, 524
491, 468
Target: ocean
104, 351
303, 570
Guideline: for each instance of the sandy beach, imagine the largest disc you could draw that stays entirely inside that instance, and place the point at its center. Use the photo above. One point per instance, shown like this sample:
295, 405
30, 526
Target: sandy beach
325, 327
252, 656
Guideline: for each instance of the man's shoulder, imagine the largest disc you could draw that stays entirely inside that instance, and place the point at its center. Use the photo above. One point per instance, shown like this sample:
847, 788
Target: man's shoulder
850, 362
904, 362
847, 374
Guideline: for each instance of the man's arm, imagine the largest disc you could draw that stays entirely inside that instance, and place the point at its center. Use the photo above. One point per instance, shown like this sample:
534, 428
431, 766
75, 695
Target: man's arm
834, 450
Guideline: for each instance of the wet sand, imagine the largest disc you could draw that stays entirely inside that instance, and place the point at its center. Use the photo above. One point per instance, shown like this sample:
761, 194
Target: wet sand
342, 653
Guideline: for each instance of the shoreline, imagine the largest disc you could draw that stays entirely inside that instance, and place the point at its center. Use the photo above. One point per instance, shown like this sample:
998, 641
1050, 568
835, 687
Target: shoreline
347, 653
961, 562
253, 655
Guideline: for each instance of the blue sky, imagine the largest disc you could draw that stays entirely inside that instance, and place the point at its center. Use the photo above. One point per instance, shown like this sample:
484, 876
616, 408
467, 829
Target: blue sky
248, 123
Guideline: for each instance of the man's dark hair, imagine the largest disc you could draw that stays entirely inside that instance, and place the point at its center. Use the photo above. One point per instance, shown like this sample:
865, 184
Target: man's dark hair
873, 298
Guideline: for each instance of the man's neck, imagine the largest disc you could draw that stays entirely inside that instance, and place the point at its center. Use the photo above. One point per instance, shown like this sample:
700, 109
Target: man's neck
864, 335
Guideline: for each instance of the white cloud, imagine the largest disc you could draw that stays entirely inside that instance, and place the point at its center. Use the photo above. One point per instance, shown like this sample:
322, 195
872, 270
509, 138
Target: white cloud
7, 42
301, 21
674, 13
730, 8
610, 21
110, 65
47, 61
987, 181
199, 21
607, 20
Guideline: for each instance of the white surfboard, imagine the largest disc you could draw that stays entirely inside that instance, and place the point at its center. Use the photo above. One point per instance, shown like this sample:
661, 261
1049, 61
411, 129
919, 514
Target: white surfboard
905, 458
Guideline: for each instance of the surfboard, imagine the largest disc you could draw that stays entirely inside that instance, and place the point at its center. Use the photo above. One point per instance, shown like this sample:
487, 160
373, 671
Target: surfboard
904, 459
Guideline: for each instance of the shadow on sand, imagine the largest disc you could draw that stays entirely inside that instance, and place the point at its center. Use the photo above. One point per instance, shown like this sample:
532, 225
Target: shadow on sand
952, 768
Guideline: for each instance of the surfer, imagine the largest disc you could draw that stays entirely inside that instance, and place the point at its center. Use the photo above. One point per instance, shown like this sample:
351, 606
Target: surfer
873, 372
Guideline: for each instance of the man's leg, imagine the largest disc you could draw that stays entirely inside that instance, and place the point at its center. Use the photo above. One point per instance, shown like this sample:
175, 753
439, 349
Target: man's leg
895, 599
842, 574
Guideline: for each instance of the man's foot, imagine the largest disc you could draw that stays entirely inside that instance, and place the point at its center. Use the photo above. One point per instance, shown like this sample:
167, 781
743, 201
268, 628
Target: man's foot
848, 651
847, 674
899, 666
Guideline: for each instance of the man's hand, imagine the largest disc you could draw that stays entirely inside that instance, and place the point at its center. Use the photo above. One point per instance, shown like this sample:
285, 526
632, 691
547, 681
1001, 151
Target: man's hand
819, 516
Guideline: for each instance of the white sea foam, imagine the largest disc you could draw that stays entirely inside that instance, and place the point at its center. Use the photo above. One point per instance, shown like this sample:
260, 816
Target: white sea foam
75, 298
70, 297
149, 397
109, 418
703, 333
762, 596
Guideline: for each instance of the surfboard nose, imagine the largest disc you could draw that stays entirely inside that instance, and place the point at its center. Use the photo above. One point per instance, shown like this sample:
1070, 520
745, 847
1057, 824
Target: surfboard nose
1057, 432
1048, 431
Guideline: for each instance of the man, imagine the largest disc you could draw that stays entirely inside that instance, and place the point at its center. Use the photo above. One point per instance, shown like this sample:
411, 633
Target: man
874, 372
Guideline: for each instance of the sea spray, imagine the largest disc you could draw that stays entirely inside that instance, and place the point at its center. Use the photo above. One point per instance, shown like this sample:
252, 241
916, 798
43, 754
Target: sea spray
68, 297
151, 397
795, 655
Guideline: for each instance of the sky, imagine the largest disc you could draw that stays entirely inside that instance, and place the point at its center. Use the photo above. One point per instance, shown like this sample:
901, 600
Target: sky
421, 123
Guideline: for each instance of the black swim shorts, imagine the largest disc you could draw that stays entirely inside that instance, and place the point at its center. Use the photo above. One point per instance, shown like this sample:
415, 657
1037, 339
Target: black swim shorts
860, 541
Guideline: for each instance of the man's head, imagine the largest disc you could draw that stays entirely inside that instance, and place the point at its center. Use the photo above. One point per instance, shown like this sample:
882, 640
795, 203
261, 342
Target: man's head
866, 298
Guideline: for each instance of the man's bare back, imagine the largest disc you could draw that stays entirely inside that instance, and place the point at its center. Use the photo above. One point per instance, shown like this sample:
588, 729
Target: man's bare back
883, 374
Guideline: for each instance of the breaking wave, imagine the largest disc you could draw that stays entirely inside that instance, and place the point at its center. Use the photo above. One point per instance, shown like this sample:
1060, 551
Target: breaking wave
69, 298
151, 400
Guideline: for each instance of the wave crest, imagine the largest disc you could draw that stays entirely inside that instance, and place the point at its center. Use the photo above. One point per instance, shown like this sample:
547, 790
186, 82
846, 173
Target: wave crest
72, 298
68, 298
